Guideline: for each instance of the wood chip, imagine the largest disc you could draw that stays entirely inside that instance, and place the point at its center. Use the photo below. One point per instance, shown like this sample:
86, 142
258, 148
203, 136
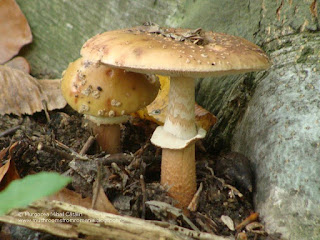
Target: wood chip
72, 221
228, 222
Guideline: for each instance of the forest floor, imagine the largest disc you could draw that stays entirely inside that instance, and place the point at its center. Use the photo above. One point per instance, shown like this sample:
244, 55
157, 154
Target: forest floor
129, 179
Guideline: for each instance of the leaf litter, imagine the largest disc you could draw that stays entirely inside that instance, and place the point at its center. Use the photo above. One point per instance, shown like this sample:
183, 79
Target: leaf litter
119, 177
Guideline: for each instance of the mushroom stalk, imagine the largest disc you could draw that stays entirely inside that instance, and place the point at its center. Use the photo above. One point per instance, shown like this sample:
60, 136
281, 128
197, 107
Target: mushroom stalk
178, 170
108, 137
180, 120
178, 173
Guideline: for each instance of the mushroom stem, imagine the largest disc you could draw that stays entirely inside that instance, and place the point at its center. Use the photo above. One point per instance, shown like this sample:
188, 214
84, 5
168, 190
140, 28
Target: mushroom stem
180, 120
108, 137
178, 171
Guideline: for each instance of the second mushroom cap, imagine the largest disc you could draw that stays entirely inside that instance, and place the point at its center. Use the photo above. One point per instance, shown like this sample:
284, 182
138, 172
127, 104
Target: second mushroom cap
100, 91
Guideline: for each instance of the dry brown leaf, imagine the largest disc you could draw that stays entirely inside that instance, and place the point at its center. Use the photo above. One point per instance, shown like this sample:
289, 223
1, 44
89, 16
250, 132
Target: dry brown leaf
102, 203
20, 93
69, 196
14, 30
8, 171
204, 118
4, 169
19, 63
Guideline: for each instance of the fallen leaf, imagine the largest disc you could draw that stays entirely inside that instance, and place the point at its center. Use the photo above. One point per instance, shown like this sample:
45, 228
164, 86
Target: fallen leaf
102, 203
14, 30
69, 196
8, 171
157, 110
20, 93
3, 170
19, 63
204, 118
52, 93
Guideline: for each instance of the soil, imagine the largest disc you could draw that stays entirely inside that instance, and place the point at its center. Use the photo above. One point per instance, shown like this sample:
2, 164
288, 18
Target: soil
47, 146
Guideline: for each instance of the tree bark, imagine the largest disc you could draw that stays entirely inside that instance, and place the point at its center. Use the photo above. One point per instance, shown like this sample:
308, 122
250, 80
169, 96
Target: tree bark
273, 117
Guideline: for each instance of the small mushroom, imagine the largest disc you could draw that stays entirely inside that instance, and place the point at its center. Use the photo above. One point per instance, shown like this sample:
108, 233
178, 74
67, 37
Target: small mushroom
106, 96
188, 54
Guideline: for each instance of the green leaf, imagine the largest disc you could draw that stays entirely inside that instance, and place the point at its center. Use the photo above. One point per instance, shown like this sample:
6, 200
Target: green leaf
22, 192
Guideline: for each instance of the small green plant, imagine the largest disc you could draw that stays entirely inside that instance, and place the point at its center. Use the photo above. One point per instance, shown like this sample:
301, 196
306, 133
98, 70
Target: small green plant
24, 191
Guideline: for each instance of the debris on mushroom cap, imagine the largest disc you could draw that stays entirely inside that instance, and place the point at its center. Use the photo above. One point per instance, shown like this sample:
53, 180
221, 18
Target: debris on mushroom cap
14, 30
104, 92
175, 52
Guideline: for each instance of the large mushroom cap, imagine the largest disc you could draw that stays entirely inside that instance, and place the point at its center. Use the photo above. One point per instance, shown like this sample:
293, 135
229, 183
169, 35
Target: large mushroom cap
100, 91
175, 52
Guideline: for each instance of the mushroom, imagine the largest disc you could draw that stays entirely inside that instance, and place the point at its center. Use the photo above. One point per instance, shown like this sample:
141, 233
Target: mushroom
106, 96
182, 54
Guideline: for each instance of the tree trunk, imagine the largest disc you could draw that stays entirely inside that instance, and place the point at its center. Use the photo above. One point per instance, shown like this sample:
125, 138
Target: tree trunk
280, 133
273, 117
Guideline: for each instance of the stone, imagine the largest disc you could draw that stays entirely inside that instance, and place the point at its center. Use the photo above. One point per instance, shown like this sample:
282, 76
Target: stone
280, 134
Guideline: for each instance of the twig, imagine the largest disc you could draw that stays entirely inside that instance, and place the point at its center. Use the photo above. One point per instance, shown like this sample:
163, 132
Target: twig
208, 222
140, 151
9, 131
193, 205
112, 226
65, 147
53, 150
119, 158
45, 108
203, 225
96, 187
144, 196
87, 145
122, 175
252, 217
73, 153
222, 181
158, 207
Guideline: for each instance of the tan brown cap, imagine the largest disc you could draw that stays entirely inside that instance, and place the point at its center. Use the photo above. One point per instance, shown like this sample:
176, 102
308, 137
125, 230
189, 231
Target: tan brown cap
175, 52
100, 91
